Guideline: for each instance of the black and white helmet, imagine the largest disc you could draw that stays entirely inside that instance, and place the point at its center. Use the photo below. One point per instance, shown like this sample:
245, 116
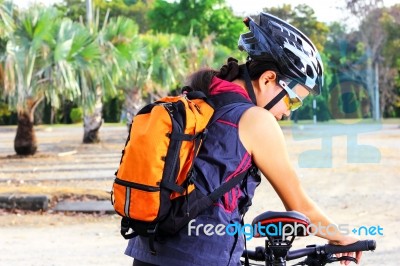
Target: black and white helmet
291, 50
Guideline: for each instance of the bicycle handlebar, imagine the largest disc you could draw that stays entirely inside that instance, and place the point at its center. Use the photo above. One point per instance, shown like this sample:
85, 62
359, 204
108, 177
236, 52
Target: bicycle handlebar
363, 245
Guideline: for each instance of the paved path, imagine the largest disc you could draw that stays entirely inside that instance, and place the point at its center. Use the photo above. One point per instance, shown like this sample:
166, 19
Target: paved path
353, 188
62, 148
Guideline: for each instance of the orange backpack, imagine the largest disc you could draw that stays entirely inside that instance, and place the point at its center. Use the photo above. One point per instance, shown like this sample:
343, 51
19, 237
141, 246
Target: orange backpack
153, 189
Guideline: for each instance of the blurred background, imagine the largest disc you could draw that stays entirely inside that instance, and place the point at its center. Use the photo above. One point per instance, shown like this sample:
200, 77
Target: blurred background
82, 61
73, 73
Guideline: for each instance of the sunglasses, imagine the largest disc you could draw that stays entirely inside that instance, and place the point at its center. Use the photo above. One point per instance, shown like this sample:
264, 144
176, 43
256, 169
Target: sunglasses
294, 100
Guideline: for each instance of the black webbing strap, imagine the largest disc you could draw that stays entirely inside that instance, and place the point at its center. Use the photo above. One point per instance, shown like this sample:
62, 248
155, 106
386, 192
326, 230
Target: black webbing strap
227, 186
249, 85
152, 238
280, 95
172, 186
184, 137
125, 226
275, 100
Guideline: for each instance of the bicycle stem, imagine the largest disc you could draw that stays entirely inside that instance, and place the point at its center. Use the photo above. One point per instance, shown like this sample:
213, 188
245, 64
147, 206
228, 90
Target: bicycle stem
275, 254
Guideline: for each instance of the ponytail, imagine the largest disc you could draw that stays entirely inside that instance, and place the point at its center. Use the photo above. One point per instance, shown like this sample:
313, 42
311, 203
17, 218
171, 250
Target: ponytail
201, 80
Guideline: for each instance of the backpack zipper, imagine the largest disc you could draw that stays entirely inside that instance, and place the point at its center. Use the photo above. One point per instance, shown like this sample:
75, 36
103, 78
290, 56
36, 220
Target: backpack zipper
136, 185
194, 104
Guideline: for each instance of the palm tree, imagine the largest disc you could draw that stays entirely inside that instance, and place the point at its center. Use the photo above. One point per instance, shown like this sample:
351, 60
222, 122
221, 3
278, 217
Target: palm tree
5, 21
24, 59
43, 53
121, 51
171, 58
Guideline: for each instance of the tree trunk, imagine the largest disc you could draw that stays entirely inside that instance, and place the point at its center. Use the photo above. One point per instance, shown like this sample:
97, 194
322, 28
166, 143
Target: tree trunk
133, 104
25, 140
93, 121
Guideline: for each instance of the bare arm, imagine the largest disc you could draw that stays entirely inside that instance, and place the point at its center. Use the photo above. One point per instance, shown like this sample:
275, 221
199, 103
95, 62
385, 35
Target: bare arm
263, 138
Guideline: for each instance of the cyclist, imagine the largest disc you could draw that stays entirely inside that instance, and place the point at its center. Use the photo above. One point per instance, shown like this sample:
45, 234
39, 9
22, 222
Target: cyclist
283, 67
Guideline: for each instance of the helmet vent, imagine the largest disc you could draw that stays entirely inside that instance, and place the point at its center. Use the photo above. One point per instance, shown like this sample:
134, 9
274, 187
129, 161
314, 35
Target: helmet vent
310, 72
294, 58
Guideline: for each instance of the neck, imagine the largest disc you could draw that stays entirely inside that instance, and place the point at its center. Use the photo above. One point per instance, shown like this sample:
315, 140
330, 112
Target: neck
242, 84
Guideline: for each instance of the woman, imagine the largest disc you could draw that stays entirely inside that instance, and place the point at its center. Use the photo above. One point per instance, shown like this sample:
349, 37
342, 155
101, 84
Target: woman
283, 68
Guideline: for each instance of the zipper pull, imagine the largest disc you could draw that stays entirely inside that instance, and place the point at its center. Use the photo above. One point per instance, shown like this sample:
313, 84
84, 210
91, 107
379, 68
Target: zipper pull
194, 104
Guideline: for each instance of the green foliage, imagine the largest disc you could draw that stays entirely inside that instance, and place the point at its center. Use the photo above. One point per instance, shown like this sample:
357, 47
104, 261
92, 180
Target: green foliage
130, 2
323, 113
76, 10
391, 25
52, 55
122, 55
5, 113
76, 115
390, 22
73, 9
306, 112
134, 10
200, 18
172, 57
112, 110
28, 36
164, 65
73, 51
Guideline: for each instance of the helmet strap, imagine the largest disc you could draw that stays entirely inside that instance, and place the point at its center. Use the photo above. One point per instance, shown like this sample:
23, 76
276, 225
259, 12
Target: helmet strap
275, 100
249, 85
280, 95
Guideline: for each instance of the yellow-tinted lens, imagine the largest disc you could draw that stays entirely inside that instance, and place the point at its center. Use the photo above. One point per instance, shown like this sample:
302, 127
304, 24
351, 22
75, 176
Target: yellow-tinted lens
292, 104
292, 100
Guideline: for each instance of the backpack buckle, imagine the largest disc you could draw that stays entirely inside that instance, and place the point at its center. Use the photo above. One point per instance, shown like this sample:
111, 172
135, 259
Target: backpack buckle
168, 107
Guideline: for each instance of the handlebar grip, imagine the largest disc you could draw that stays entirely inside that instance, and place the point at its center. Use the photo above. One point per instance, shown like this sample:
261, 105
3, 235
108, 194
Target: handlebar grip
362, 245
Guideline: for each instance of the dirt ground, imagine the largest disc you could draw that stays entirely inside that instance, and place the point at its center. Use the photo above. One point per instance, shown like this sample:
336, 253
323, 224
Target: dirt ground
354, 178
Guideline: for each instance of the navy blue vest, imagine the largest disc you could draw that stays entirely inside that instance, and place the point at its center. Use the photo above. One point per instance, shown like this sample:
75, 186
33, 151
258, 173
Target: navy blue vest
221, 157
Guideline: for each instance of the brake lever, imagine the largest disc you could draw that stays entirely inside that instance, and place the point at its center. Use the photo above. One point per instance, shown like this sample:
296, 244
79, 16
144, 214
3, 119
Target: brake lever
347, 258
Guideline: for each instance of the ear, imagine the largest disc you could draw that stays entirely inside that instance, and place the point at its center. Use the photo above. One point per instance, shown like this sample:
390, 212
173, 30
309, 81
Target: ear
268, 76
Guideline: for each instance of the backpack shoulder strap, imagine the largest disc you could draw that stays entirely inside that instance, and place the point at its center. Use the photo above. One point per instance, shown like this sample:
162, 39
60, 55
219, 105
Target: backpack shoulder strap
227, 186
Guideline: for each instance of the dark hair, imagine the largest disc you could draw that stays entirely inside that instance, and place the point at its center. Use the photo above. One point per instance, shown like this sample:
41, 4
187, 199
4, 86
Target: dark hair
201, 80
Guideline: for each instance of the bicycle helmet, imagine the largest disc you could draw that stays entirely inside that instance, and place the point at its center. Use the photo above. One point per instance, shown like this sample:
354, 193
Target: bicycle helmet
295, 55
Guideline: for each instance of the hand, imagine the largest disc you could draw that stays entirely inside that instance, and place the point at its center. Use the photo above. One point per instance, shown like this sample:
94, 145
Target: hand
347, 240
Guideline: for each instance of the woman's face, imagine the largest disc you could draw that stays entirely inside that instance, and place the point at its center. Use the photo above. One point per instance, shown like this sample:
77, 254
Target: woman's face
282, 108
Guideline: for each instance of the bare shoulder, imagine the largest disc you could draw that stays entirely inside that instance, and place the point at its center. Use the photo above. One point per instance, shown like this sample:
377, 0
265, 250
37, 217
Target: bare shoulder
258, 114
258, 126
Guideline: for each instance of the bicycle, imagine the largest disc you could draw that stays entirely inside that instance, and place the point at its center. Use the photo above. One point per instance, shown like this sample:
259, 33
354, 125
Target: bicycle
277, 248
